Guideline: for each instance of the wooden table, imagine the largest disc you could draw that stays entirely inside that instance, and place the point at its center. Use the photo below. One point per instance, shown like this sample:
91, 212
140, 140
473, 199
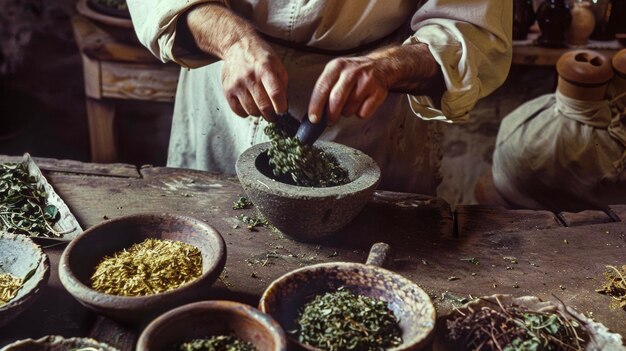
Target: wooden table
560, 256
114, 69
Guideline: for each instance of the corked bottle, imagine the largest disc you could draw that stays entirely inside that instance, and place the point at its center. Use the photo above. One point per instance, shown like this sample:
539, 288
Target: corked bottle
584, 75
619, 81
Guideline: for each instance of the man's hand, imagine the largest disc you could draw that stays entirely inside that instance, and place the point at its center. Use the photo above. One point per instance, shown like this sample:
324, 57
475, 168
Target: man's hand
359, 85
254, 78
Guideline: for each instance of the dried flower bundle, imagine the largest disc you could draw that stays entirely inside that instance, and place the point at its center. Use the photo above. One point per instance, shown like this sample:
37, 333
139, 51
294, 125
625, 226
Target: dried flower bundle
150, 267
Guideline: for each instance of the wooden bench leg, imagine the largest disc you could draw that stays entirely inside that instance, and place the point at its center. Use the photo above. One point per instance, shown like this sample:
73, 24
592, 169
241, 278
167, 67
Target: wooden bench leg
102, 138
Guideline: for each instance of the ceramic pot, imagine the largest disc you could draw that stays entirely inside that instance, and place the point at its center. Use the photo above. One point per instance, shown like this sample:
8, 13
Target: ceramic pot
523, 18
583, 24
553, 17
602, 10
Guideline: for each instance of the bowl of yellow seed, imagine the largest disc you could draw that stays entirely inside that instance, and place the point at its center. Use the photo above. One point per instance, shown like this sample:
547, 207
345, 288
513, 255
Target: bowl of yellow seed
133, 268
24, 272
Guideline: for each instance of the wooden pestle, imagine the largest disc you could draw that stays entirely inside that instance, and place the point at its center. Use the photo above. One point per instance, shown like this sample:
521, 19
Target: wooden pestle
584, 75
619, 68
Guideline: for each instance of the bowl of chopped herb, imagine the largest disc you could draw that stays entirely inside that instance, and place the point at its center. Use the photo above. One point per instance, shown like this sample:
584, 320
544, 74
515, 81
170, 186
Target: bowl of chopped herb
314, 196
24, 272
342, 306
213, 325
133, 268
58, 343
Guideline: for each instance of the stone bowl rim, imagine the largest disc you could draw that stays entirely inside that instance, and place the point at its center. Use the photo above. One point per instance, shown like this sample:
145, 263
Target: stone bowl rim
369, 177
91, 296
413, 344
207, 307
14, 305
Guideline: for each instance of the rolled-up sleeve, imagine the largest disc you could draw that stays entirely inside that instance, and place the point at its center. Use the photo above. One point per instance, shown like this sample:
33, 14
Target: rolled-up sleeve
155, 23
471, 41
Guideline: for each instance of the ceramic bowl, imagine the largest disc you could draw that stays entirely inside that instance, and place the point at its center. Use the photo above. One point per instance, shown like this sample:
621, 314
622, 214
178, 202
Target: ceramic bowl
20, 257
57, 343
82, 255
601, 337
285, 297
202, 319
307, 213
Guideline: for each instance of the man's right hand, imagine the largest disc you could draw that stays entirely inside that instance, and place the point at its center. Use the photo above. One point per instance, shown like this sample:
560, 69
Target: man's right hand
254, 78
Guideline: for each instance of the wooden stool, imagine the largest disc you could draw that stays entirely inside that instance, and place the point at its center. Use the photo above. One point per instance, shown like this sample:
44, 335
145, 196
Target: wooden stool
115, 69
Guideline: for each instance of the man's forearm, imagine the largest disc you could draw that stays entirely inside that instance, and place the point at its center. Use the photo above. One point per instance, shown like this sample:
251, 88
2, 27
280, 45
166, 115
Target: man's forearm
409, 68
215, 29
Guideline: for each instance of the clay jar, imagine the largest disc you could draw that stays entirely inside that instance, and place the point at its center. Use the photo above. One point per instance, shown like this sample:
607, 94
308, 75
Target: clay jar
619, 81
584, 75
553, 17
583, 23
523, 18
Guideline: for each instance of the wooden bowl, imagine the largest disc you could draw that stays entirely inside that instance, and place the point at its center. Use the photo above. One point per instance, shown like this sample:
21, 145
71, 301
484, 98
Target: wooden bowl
285, 297
20, 257
202, 319
307, 213
57, 343
83, 254
602, 338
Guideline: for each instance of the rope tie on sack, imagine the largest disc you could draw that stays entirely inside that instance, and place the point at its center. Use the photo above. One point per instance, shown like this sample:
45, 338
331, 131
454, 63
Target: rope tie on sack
603, 114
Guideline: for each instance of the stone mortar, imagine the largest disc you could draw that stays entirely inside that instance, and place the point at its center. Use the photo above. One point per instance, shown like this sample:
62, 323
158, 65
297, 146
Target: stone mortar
307, 213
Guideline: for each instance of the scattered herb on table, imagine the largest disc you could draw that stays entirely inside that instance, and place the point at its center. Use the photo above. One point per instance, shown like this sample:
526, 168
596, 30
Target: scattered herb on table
615, 286
116, 4
254, 221
23, 205
514, 328
341, 320
150, 267
217, 343
306, 165
242, 203
9, 286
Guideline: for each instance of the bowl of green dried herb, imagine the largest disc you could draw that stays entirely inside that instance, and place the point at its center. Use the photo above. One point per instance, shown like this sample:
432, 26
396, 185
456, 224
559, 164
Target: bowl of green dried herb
135, 267
24, 272
213, 325
58, 343
299, 199
350, 306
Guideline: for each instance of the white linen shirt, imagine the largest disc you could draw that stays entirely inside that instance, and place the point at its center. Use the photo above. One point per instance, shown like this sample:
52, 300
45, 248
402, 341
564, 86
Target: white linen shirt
470, 40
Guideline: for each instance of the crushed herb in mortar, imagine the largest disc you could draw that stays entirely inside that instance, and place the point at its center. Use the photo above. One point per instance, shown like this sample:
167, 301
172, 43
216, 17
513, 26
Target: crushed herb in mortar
242, 203
9, 286
514, 328
615, 286
217, 343
150, 267
23, 205
341, 320
306, 165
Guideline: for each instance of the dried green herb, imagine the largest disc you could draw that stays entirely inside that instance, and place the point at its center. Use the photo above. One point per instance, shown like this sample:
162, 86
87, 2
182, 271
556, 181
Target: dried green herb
254, 221
514, 328
9, 286
341, 320
306, 165
242, 203
23, 205
217, 343
150, 267
615, 286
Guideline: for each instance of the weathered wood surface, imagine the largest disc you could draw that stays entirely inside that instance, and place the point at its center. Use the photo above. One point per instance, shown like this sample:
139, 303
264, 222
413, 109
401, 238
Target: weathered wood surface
70, 166
538, 56
139, 81
565, 261
585, 218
